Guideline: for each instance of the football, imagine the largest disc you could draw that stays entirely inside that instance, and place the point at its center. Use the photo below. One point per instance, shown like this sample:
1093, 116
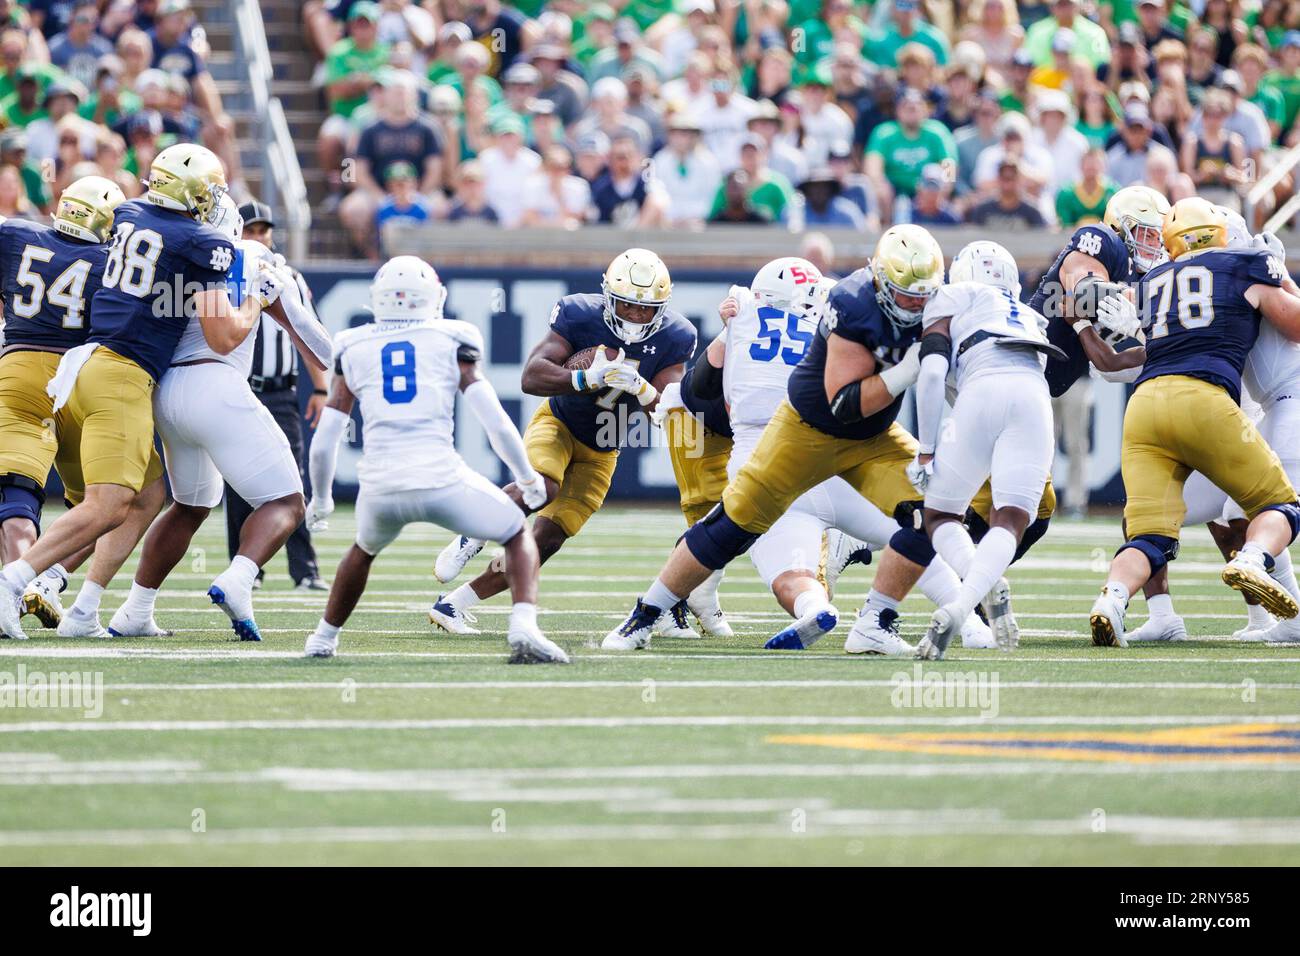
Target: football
583, 359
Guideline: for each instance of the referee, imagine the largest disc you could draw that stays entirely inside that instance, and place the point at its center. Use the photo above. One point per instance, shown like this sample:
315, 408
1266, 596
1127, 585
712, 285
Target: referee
274, 380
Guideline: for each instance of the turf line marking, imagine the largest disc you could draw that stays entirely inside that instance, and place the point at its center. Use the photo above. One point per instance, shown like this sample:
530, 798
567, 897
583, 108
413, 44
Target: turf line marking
672, 684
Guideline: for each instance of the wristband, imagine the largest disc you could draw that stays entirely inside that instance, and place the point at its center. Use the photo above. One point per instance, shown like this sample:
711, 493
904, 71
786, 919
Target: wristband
319, 391
647, 395
579, 380
1080, 325
897, 378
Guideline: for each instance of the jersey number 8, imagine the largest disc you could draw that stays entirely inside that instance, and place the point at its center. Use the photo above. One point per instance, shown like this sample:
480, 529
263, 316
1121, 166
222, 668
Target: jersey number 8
398, 361
1195, 285
65, 292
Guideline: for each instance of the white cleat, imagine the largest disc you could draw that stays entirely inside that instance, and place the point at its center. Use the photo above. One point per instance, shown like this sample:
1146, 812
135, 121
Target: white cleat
1283, 632
976, 635
837, 553
237, 602
1169, 628
320, 646
528, 645
453, 620
703, 603
635, 632
876, 632
673, 623
1257, 621
123, 625
1002, 620
453, 558
79, 625
943, 627
1246, 573
41, 599
1107, 622
11, 612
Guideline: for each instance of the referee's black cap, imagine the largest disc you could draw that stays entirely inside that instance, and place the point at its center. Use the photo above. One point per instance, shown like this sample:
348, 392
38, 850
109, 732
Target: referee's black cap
255, 212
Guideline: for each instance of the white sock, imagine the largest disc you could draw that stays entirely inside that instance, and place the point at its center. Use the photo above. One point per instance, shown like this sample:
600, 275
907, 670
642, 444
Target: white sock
659, 596
87, 603
1118, 591
523, 615
243, 570
140, 602
880, 602
19, 574
810, 601
954, 544
1257, 618
326, 629
1284, 573
992, 558
463, 597
57, 573
707, 593
1160, 606
939, 582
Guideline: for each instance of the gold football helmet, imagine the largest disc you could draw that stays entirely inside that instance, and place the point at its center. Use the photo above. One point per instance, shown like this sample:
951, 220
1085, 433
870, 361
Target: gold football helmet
636, 279
1194, 224
908, 269
85, 209
1137, 214
188, 178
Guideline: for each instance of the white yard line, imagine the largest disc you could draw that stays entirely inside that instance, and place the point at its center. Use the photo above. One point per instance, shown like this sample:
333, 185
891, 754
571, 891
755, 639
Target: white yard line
348, 684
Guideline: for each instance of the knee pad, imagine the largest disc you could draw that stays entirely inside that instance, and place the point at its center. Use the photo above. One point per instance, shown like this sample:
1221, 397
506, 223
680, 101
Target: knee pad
908, 514
1291, 512
913, 545
1032, 534
20, 497
1158, 548
715, 539
977, 526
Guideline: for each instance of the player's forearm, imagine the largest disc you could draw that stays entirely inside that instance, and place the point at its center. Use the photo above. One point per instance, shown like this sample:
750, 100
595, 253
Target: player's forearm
323, 461
930, 401
224, 326
1105, 358
545, 378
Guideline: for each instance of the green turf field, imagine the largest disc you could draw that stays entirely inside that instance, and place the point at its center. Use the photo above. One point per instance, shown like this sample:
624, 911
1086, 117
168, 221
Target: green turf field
419, 747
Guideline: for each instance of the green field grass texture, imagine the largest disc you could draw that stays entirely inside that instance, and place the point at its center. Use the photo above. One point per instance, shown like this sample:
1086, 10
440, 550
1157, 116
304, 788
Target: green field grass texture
415, 746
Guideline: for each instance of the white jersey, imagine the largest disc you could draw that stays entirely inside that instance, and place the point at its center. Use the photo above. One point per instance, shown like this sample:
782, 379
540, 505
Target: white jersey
1272, 365
193, 345
975, 307
764, 344
406, 376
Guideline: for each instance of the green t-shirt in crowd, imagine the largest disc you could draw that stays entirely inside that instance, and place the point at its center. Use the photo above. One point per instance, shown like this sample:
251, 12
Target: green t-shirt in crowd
13, 113
1074, 207
905, 156
1270, 100
45, 74
881, 47
1090, 41
814, 42
1095, 135
769, 196
38, 190
343, 60
127, 103
1289, 87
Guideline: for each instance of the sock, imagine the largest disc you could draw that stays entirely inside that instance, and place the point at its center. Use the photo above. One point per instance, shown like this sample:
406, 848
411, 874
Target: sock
19, 574
880, 602
1160, 606
326, 629
939, 582
809, 602
1284, 573
707, 593
1118, 591
87, 603
1257, 618
57, 573
955, 546
462, 598
659, 596
523, 614
992, 558
243, 571
140, 602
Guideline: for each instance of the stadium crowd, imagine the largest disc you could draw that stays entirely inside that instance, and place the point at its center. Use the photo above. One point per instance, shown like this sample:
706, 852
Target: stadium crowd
802, 113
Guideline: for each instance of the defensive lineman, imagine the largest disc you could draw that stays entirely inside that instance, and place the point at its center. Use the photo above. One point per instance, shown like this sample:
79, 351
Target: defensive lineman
406, 368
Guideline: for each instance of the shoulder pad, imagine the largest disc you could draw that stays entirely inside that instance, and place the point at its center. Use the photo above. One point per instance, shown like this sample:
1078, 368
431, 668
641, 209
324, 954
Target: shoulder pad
463, 332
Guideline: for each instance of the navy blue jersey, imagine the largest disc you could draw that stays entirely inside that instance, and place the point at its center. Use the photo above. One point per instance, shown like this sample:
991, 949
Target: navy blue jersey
579, 320
1103, 244
713, 412
47, 280
853, 314
1197, 320
158, 260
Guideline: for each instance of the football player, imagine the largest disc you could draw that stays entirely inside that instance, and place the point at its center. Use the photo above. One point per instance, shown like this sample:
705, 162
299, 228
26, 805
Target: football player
49, 275
837, 421
1201, 313
165, 263
214, 430
574, 436
978, 335
406, 368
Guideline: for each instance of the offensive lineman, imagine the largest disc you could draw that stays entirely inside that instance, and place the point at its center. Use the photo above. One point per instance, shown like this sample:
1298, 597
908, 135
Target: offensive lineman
405, 368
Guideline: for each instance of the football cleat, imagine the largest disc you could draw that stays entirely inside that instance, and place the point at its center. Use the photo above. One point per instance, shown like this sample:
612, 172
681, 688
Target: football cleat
238, 605
320, 646
703, 603
453, 558
1168, 628
806, 631
1257, 620
41, 599
123, 625
634, 633
1283, 632
11, 612
1002, 621
81, 625
876, 632
528, 645
313, 583
673, 623
976, 635
943, 626
1107, 622
838, 551
1246, 573
452, 619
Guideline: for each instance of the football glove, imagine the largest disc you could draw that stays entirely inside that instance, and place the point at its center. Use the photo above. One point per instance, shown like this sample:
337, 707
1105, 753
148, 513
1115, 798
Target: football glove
601, 364
1270, 243
318, 510
898, 378
533, 491
919, 473
269, 284
627, 379
669, 399
1117, 315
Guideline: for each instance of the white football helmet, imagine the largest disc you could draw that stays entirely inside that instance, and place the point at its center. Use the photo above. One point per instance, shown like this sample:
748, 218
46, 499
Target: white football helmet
636, 277
406, 289
987, 263
790, 284
227, 220
1239, 236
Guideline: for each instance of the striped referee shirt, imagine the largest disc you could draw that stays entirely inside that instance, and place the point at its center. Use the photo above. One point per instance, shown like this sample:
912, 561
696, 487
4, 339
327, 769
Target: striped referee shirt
274, 354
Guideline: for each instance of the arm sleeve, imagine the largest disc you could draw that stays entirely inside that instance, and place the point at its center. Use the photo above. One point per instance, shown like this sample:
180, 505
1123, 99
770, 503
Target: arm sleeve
929, 401
303, 319
501, 431
325, 452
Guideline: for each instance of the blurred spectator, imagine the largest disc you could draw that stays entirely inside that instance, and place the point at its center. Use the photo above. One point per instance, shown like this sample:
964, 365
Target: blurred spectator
854, 186
555, 197
14, 64
735, 201
822, 121
1126, 161
1095, 119
1244, 118
1090, 40
818, 249
905, 26
567, 91
930, 205
974, 138
680, 38
13, 197
77, 50
350, 69
519, 84
724, 116
960, 91
1251, 63
507, 164
642, 84
1286, 80
691, 89
1015, 142
824, 206
598, 34
1018, 94
898, 150
402, 201
1009, 210
611, 61
108, 101
782, 155
591, 156
471, 62
995, 26
544, 126
13, 152
1224, 16
110, 155
471, 201
1203, 70
402, 22
1056, 135
769, 193
1153, 21
688, 172
504, 31
1132, 60
609, 115
61, 100
1214, 157
24, 104
1084, 200
774, 75
624, 195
